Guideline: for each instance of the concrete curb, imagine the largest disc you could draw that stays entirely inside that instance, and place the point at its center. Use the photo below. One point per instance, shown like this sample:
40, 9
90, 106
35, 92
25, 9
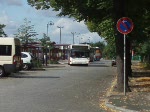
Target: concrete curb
109, 93
118, 108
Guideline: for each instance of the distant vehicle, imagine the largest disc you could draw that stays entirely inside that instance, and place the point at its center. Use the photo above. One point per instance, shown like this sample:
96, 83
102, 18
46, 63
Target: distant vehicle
79, 54
10, 55
113, 62
27, 58
95, 54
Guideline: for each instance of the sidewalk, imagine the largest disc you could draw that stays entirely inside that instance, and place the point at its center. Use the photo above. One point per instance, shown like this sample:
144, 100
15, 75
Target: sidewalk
138, 100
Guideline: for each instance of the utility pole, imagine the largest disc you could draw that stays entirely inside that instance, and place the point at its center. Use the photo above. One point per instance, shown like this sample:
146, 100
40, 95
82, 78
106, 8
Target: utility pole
49, 23
73, 36
60, 27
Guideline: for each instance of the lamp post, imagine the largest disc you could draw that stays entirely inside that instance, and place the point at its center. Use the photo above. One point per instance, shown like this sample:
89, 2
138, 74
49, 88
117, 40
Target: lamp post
48, 46
73, 36
89, 40
60, 27
49, 23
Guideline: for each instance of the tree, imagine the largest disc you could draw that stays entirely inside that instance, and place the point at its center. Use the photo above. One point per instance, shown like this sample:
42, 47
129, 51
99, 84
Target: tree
99, 44
47, 45
101, 16
26, 32
2, 33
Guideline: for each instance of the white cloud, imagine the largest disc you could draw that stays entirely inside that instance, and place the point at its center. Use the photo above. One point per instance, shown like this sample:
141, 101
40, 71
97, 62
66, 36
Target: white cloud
11, 2
81, 33
40, 19
10, 25
4, 18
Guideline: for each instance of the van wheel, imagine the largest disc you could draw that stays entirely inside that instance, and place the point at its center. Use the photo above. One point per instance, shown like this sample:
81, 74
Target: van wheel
2, 72
25, 67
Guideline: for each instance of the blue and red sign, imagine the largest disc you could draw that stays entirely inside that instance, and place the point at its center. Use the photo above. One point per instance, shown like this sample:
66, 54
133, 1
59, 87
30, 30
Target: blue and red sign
125, 25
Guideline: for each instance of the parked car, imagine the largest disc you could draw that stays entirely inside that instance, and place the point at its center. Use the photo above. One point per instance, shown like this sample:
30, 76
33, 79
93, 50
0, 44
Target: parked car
27, 59
113, 62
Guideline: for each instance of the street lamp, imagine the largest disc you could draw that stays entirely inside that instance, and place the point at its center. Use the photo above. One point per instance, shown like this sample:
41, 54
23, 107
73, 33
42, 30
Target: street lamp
60, 27
89, 40
73, 36
49, 23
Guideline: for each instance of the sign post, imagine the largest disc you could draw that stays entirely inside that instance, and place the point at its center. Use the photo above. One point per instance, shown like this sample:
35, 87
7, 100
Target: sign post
125, 26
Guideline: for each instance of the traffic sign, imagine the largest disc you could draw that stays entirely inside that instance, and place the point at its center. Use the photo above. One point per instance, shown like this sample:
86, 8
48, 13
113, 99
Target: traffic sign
125, 25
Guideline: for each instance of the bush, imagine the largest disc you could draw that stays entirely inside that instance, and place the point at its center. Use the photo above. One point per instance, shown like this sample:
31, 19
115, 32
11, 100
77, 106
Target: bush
53, 62
37, 64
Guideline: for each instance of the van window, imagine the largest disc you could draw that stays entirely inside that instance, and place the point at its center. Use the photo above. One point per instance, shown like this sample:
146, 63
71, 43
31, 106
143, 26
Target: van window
5, 50
17, 50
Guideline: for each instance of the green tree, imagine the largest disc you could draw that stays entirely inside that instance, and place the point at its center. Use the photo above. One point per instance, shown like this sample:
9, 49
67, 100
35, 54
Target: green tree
26, 32
99, 44
2, 33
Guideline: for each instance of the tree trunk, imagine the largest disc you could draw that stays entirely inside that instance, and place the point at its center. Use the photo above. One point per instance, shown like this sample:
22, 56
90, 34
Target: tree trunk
119, 12
128, 63
128, 58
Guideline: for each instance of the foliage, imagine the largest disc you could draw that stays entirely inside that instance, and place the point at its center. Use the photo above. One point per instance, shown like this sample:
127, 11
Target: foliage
46, 43
2, 33
109, 52
99, 44
53, 62
143, 49
37, 64
26, 32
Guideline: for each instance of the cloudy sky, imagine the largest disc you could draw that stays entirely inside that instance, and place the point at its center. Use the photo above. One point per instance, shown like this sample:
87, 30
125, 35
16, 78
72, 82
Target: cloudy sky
13, 13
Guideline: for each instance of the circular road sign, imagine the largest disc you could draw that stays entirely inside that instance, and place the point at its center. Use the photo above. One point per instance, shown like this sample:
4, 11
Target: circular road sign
125, 25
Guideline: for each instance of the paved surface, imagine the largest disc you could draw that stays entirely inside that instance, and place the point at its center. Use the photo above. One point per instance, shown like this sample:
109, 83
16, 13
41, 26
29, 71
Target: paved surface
135, 101
57, 89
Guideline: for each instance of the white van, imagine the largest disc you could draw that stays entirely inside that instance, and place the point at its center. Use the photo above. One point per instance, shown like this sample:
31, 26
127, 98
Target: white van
10, 55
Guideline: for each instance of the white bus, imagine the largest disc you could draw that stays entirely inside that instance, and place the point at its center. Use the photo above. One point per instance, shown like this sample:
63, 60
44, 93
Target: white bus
78, 54
10, 55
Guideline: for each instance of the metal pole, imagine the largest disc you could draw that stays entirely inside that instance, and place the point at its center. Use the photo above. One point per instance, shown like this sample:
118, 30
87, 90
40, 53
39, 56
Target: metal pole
124, 64
73, 36
49, 23
47, 30
60, 31
60, 35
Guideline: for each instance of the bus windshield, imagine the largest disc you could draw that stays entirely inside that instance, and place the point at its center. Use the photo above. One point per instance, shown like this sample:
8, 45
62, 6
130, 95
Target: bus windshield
80, 54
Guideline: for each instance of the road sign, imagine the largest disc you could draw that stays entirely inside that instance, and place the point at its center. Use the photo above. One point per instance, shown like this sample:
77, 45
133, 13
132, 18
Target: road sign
125, 25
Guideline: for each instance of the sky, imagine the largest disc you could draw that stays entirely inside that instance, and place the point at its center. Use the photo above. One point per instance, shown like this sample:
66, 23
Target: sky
13, 13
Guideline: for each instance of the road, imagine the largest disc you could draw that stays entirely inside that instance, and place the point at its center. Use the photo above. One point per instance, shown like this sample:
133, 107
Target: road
57, 89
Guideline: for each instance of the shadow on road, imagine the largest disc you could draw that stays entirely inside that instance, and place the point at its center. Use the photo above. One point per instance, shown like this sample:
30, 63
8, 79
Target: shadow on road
98, 66
25, 76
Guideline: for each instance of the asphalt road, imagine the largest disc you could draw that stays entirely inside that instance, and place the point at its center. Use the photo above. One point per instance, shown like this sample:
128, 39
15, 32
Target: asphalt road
58, 89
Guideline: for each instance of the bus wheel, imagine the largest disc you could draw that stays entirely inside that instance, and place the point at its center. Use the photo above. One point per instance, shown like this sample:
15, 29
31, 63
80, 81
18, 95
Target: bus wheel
2, 72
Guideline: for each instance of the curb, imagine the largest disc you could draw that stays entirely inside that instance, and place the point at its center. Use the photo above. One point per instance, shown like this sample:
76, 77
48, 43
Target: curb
110, 106
118, 108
